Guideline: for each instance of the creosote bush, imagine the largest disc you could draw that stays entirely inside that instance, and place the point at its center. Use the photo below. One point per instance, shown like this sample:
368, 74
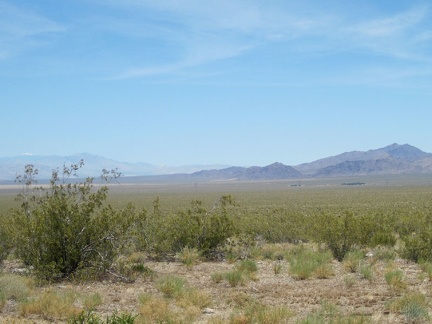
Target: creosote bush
200, 228
67, 227
347, 231
186, 233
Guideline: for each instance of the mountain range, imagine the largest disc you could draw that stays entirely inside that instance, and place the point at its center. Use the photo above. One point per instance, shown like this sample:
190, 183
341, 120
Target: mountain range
93, 165
392, 159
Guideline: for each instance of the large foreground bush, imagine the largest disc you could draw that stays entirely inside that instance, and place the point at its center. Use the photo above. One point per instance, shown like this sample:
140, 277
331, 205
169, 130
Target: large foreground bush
66, 227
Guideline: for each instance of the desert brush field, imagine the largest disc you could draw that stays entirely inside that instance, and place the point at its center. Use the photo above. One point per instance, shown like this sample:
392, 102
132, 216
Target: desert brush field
261, 252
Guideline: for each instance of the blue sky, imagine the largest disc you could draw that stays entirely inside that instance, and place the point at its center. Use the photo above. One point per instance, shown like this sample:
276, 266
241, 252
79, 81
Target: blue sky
203, 82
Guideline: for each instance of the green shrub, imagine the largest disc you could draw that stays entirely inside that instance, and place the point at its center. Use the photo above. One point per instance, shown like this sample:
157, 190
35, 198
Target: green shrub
395, 278
352, 260
217, 277
329, 313
349, 281
15, 287
247, 265
189, 256
426, 266
304, 263
132, 266
338, 232
200, 228
2, 299
235, 278
347, 231
5, 237
192, 297
171, 286
52, 305
383, 253
65, 228
366, 271
413, 306
239, 247
263, 314
418, 246
91, 318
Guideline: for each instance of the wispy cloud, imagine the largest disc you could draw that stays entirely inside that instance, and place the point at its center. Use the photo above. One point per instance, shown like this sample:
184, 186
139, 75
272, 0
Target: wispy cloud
21, 29
207, 33
146, 38
204, 33
391, 26
401, 35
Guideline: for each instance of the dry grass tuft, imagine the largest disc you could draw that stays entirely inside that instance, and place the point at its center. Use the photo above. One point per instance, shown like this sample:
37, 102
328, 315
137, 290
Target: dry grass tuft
154, 310
352, 260
193, 297
14, 287
413, 306
52, 305
189, 256
395, 279
306, 262
170, 286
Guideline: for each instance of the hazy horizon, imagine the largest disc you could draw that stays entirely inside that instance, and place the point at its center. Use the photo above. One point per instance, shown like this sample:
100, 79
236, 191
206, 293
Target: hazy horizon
228, 82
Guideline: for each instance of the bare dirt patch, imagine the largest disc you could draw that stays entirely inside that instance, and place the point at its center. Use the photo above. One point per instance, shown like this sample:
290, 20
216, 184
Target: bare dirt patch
348, 292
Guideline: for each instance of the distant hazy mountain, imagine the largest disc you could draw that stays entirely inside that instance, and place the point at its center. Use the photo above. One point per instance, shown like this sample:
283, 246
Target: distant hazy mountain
392, 159
93, 165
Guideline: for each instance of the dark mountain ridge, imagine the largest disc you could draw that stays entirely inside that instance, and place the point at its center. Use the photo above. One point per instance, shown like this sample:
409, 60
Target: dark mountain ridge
392, 159
270, 172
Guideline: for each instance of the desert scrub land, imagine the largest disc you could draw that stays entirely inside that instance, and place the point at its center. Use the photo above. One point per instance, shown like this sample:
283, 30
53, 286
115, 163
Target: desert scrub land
173, 292
265, 252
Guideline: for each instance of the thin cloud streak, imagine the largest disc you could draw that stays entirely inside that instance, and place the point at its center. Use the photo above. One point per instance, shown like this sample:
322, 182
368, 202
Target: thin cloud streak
21, 29
239, 28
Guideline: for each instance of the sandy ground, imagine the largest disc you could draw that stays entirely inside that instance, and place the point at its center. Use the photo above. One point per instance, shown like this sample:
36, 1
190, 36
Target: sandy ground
369, 298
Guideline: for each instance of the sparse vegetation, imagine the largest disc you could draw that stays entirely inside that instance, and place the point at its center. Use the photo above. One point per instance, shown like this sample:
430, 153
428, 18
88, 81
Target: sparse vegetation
413, 306
91, 318
352, 260
395, 279
366, 271
189, 256
14, 287
262, 314
52, 305
306, 262
65, 228
263, 242
235, 277
329, 313
171, 286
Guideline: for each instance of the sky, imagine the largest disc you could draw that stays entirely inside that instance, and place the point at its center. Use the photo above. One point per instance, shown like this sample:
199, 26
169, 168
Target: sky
183, 82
